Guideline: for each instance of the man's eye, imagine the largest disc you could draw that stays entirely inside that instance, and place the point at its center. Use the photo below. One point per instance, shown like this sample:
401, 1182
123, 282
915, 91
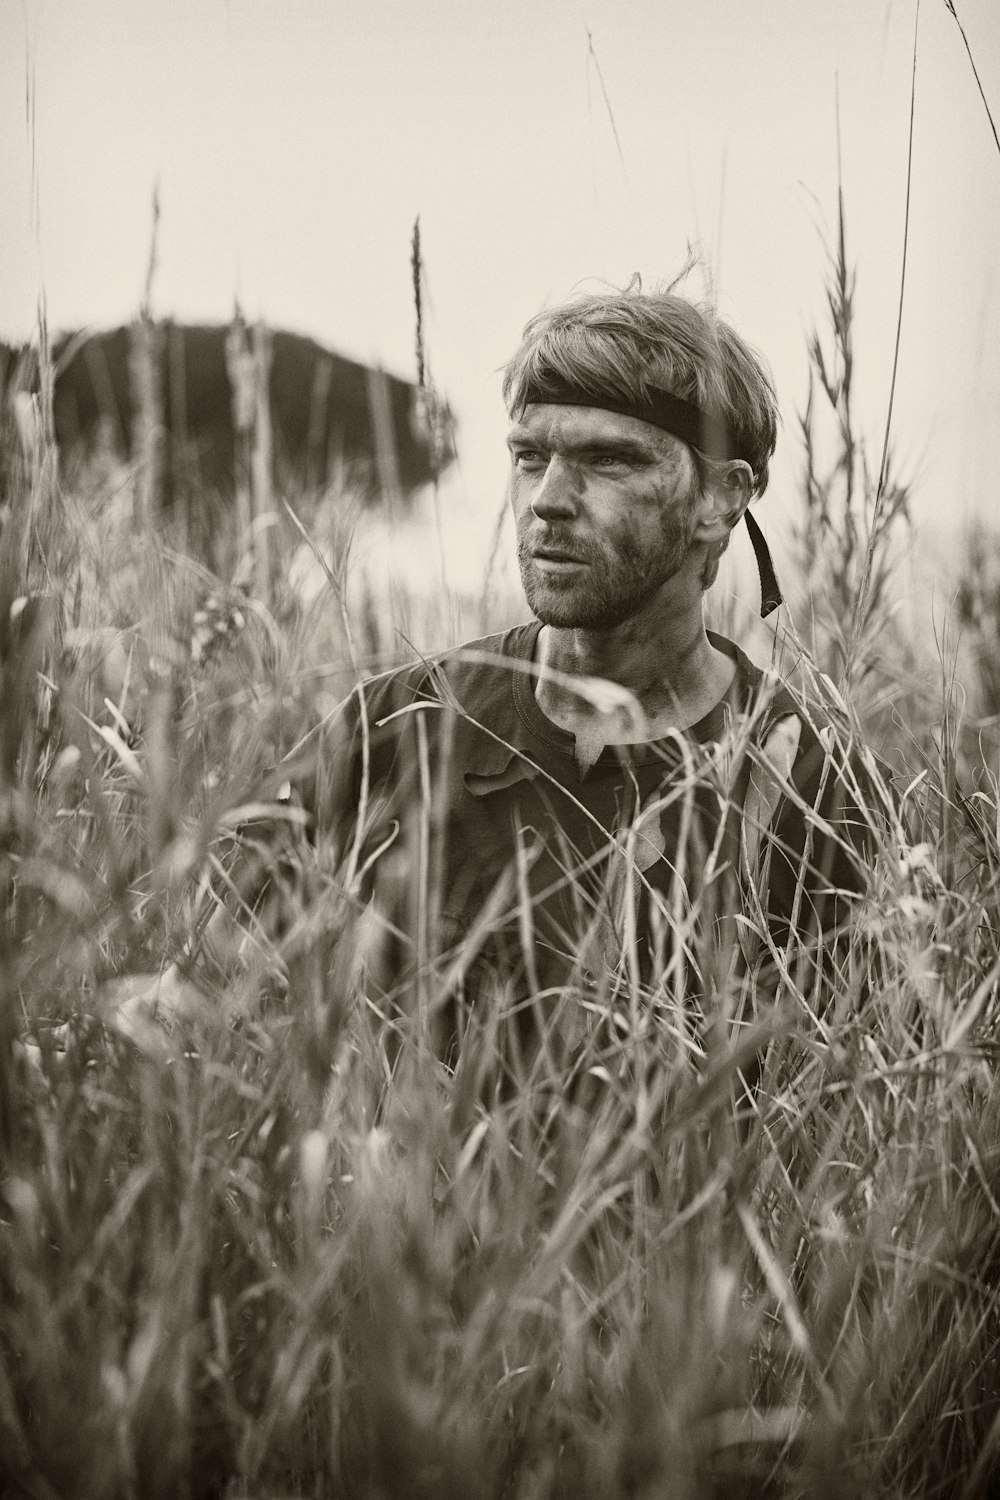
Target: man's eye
528, 458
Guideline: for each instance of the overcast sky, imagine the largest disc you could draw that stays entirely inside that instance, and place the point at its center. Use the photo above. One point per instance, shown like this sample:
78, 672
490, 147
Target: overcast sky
295, 143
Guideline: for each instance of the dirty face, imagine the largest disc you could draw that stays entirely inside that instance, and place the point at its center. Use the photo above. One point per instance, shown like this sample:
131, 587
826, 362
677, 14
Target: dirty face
603, 509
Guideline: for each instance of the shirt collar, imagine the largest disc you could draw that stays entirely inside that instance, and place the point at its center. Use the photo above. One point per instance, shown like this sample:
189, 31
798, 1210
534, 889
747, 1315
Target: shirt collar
515, 735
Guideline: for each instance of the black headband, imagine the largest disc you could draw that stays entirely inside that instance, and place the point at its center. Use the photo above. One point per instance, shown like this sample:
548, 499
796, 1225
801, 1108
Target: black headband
700, 430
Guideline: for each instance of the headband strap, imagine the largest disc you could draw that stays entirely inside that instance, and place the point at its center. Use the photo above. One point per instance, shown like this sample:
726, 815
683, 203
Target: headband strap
770, 591
672, 413
698, 428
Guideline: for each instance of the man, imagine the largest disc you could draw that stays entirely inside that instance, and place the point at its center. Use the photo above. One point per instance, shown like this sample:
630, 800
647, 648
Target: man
611, 801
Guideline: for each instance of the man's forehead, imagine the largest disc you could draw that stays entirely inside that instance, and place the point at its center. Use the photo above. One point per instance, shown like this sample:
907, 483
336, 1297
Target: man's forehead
587, 424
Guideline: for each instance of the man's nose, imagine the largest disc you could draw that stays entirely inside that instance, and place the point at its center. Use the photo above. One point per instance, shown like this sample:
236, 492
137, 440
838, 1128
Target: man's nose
555, 493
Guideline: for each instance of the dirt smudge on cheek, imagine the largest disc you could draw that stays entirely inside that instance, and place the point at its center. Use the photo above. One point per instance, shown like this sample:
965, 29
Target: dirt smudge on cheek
673, 499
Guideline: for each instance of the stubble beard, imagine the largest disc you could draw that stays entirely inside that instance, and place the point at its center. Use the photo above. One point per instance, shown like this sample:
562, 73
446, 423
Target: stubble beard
614, 587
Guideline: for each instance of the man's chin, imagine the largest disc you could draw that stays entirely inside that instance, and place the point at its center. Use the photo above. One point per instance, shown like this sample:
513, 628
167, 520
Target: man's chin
550, 603
567, 602
572, 613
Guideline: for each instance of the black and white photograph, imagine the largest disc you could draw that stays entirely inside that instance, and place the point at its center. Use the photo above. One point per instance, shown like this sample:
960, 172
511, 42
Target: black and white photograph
499, 750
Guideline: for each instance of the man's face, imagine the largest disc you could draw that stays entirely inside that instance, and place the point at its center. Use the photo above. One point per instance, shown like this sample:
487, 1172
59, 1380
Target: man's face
603, 509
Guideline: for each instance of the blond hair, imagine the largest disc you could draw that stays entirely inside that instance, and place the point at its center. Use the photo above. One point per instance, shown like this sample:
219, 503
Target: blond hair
627, 345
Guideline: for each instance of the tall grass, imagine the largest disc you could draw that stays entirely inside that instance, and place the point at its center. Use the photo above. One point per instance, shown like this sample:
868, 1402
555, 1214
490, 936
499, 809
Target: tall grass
268, 1240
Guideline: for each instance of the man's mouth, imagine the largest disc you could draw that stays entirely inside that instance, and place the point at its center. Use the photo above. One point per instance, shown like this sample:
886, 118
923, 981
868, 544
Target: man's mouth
555, 555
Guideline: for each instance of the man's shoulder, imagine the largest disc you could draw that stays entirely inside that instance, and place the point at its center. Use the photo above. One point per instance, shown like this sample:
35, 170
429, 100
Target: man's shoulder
371, 727
808, 726
475, 676
773, 697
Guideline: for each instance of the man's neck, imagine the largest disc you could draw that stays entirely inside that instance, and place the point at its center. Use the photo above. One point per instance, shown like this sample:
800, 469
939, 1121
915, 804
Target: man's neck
670, 673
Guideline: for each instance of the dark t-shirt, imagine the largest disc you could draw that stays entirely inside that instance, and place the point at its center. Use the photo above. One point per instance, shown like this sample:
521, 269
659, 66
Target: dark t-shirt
446, 778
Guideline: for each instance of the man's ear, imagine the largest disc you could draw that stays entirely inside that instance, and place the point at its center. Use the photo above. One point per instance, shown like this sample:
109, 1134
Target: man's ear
724, 498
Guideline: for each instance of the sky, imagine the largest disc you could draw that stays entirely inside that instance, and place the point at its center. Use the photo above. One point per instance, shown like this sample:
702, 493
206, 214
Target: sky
547, 146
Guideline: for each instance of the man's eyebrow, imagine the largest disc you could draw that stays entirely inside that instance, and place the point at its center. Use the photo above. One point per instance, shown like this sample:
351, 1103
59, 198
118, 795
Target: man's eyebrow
610, 444
598, 443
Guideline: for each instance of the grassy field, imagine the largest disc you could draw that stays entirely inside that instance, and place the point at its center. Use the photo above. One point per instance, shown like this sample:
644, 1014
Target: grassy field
277, 1247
